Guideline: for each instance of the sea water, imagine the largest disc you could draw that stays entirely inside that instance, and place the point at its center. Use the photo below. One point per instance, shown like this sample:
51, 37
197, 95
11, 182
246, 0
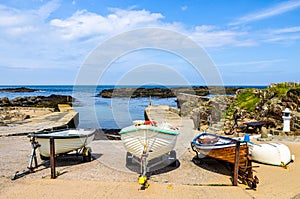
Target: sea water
95, 111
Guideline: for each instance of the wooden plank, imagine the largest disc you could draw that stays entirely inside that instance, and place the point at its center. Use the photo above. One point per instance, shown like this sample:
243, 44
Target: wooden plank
227, 154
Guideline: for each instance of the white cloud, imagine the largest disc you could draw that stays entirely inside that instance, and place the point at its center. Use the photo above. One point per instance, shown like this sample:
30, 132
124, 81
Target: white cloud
285, 39
86, 24
11, 17
294, 29
184, 8
269, 12
29, 37
260, 62
211, 36
285, 36
46, 10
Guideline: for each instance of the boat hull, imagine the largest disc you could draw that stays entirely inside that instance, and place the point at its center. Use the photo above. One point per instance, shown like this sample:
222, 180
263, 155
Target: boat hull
64, 141
223, 148
271, 153
154, 141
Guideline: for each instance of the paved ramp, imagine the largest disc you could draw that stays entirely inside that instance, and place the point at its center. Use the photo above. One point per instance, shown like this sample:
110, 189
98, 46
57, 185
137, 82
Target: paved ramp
67, 117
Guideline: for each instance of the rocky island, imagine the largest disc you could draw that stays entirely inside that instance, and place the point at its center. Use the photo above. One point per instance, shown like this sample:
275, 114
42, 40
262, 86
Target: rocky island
165, 92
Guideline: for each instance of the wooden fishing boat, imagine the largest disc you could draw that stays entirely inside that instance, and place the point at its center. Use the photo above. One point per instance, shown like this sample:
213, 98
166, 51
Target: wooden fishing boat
228, 150
219, 147
271, 153
65, 140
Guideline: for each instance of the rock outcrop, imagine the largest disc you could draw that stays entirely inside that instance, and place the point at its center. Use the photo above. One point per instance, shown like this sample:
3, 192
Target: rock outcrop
268, 104
214, 107
251, 104
21, 89
165, 92
37, 101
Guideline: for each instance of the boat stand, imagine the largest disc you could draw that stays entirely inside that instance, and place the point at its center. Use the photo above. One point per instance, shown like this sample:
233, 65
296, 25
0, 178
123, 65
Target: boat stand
32, 160
245, 174
143, 179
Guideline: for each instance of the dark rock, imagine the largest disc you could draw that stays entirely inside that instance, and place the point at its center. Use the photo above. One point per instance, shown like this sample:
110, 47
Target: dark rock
164, 92
21, 89
38, 101
214, 106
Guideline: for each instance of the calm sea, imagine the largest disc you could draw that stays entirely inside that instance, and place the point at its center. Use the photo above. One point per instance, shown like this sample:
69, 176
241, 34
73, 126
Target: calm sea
98, 112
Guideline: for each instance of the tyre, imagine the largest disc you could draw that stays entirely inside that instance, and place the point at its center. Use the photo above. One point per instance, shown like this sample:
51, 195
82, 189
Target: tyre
173, 159
87, 154
129, 158
44, 157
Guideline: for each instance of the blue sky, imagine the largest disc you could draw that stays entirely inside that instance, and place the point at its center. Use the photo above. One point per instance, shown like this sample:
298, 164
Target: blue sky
251, 42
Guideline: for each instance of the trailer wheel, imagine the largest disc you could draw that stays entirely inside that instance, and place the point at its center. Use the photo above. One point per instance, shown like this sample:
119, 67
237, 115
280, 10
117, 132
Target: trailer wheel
252, 185
129, 160
173, 158
44, 157
87, 154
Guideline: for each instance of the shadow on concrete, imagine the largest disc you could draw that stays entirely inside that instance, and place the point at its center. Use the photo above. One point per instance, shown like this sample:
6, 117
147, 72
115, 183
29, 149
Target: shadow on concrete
155, 167
213, 165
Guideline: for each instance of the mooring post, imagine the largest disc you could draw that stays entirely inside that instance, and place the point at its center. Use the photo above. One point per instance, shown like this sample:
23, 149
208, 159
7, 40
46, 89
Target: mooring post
52, 158
236, 164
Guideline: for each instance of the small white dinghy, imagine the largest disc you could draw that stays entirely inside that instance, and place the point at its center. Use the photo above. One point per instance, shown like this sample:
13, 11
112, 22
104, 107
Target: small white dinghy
65, 141
147, 140
271, 153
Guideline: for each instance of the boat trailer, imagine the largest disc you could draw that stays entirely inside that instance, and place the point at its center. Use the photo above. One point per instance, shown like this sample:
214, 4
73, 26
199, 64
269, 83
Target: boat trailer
143, 179
242, 173
33, 163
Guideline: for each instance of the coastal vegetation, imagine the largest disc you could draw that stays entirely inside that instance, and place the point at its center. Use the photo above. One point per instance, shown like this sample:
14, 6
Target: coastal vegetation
251, 100
249, 104
267, 104
246, 100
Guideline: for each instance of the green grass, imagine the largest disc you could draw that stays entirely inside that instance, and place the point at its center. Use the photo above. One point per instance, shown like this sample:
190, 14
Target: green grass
281, 89
245, 100
248, 99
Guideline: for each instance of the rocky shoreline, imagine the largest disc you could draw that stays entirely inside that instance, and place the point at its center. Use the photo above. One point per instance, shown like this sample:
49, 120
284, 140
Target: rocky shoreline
37, 101
247, 105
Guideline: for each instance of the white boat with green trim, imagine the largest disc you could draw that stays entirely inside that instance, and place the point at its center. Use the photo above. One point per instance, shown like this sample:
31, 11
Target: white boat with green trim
149, 138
